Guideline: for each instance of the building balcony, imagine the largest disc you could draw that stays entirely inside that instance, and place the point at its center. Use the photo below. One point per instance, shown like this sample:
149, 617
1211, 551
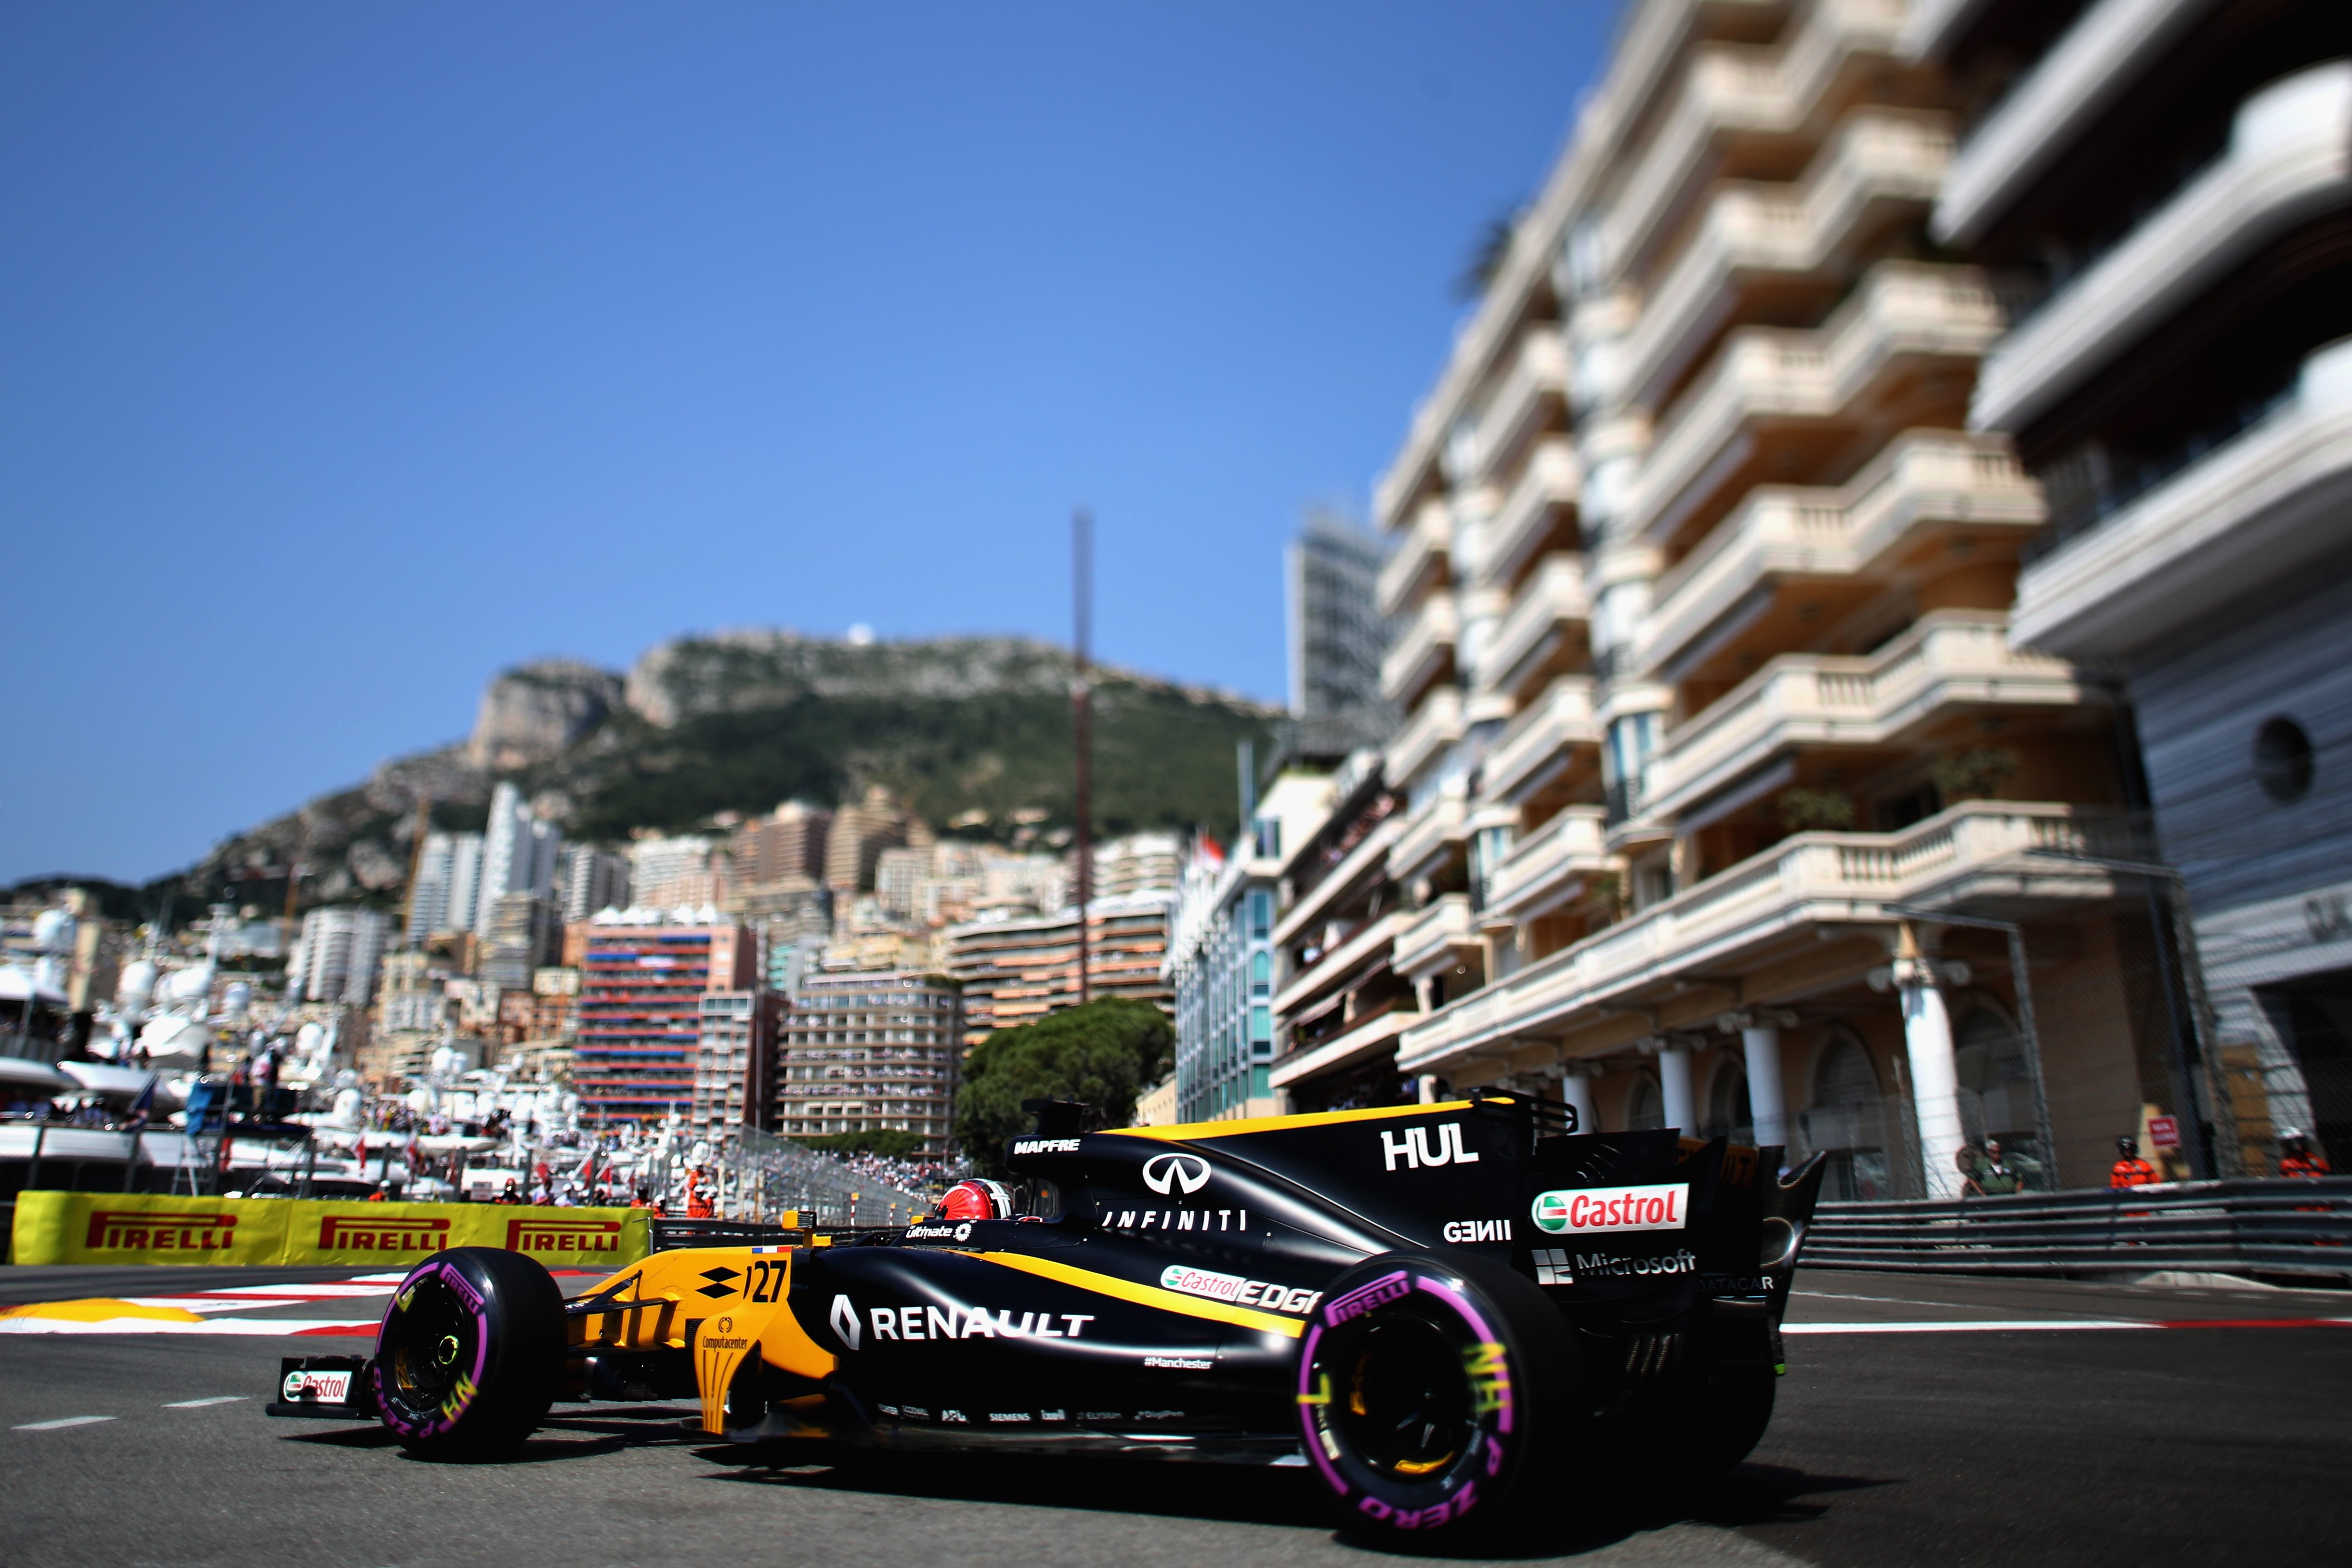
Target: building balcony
1422, 651
1773, 903
1428, 735
1735, 93
2290, 160
1907, 322
1373, 1038
1429, 835
2045, 116
1356, 871
1419, 561
1951, 658
1435, 938
2275, 501
1545, 869
1925, 482
1538, 745
1534, 387
1551, 610
1371, 939
1530, 513
1881, 167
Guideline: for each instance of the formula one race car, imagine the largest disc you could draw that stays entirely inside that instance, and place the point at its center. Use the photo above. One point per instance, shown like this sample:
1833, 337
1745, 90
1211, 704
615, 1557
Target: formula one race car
1439, 1308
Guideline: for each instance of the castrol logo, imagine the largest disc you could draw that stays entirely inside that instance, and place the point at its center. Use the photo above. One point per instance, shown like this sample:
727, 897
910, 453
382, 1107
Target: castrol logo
1584, 1210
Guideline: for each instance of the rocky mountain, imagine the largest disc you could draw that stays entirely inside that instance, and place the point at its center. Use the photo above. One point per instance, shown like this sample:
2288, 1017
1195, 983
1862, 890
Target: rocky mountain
971, 730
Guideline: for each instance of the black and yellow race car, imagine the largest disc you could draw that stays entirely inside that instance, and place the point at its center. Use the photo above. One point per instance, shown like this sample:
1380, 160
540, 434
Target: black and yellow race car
1435, 1307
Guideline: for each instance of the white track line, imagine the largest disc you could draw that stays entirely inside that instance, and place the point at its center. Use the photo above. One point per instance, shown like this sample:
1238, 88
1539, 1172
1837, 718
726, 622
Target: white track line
2044, 1325
200, 1404
63, 1421
272, 1328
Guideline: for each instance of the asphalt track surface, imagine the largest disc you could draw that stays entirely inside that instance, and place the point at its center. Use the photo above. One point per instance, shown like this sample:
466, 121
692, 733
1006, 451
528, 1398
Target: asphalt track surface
1949, 1440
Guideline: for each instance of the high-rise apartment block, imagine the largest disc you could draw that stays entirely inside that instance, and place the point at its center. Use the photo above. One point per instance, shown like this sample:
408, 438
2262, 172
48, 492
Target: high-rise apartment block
735, 1063
1339, 636
1714, 739
642, 985
336, 957
858, 835
1015, 971
674, 873
2163, 191
788, 842
590, 879
448, 888
869, 1053
519, 853
1135, 863
521, 935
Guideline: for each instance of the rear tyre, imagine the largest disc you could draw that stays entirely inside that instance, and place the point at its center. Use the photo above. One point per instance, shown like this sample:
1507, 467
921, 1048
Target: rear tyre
470, 1353
1439, 1399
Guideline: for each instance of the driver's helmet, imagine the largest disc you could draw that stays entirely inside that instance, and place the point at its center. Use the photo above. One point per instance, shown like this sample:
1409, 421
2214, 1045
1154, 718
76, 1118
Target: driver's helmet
976, 1199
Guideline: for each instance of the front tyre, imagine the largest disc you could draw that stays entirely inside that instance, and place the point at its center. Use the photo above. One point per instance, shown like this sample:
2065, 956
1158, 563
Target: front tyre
1438, 1397
470, 1353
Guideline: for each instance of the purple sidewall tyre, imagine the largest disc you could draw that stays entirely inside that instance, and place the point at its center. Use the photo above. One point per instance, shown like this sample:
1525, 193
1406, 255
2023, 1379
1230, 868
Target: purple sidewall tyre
470, 1352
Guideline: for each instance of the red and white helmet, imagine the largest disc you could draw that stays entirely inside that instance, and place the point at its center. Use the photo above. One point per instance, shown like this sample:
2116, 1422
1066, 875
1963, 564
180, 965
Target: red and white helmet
976, 1199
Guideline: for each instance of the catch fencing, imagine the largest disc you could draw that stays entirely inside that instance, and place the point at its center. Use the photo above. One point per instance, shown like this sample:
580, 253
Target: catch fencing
2241, 1225
759, 1178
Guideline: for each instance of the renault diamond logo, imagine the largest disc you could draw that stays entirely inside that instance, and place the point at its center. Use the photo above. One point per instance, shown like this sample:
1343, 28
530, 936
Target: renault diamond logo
1164, 1171
719, 1283
843, 1318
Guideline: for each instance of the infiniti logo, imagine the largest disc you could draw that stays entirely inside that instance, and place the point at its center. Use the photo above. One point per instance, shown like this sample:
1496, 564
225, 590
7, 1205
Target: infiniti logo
1164, 1171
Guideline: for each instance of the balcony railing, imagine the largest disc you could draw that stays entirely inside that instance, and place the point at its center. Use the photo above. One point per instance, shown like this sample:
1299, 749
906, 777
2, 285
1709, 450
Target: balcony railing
1925, 479
1543, 868
1433, 937
1422, 650
1548, 605
1428, 833
1546, 487
1434, 728
1878, 159
1538, 377
1904, 312
1734, 91
1539, 742
1418, 555
1370, 938
1950, 658
1812, 877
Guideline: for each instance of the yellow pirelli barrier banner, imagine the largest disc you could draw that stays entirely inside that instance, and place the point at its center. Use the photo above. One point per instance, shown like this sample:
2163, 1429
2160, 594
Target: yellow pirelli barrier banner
107, 1228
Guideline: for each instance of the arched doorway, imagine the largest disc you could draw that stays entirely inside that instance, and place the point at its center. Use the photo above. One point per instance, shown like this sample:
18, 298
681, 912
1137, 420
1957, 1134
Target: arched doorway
1847, 1120
1645, 1105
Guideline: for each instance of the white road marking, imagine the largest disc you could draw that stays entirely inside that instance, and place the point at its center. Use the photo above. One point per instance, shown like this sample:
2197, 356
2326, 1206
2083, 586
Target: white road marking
63, 1421
266, 1326
2004, 1325
200, 1404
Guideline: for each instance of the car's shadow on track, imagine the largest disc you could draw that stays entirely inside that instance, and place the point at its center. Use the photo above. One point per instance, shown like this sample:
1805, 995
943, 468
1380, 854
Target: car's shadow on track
1753, 1494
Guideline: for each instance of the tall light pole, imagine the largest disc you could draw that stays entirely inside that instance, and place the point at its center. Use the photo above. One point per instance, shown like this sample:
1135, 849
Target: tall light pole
1082, 550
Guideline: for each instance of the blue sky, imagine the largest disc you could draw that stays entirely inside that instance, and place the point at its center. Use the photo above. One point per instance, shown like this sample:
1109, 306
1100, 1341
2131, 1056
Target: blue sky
349, 354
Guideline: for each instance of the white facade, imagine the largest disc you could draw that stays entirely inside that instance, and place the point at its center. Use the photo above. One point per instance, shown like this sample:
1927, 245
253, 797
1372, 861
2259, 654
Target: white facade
337, 956
519, 853
448, 888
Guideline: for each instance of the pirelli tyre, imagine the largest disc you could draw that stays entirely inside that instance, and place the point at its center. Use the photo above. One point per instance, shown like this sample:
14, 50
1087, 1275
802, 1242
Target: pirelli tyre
470, 1353
1439, 1399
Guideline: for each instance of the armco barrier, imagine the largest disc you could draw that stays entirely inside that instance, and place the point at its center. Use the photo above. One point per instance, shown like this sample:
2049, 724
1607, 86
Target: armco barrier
2236, 1227
107, 1228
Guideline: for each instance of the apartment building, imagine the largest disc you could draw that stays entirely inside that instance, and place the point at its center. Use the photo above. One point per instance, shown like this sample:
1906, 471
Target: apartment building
523, 932
520, 853
674, 872
869, 1053
589, 880
642, 981
1220, 964
735, 1064
336, 956
1717, 754
2164, 188
1014, 970
1339, 1006
448, 888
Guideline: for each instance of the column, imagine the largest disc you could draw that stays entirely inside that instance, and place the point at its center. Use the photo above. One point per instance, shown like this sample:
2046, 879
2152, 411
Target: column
1576, 1091
1675, 1083
1934, 1076
1768, 1105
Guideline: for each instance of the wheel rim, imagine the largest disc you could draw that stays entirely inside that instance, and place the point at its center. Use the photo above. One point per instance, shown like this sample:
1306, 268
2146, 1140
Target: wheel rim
430, 1347
1404, 1402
